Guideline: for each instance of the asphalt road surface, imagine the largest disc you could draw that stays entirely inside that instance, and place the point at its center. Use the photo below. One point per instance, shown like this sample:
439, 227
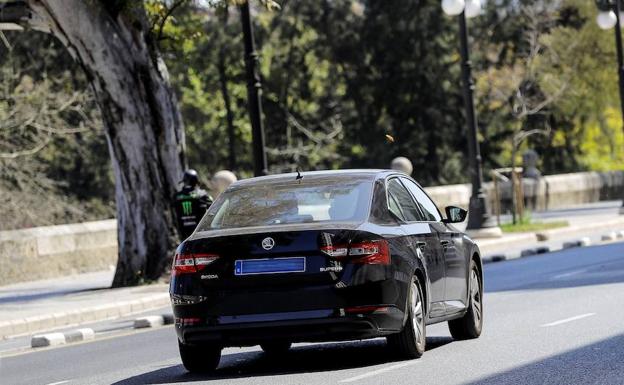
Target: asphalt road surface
550, 319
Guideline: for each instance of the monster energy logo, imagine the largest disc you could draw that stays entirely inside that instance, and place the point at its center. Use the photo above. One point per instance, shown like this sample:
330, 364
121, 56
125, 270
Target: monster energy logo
187, 208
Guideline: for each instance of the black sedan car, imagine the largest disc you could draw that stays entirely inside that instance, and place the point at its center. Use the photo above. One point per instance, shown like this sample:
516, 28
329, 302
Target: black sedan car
323, 256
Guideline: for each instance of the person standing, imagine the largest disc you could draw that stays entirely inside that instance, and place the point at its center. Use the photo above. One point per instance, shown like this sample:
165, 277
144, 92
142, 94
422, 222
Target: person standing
191, 203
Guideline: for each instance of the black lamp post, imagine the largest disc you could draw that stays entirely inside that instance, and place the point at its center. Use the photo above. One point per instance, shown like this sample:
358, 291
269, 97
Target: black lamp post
254, 93
608, 18
479, 221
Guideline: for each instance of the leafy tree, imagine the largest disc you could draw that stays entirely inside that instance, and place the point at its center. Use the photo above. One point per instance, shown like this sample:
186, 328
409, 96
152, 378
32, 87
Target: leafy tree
113, 44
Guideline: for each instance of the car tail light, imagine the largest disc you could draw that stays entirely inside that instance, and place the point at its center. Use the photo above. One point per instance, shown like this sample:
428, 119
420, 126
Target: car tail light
366, 310
338, 251
187, 321
367, 252
191, 263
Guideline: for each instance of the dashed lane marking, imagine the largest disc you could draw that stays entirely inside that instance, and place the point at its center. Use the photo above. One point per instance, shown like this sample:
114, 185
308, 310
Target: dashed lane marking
570, 274
379, 371
566, 320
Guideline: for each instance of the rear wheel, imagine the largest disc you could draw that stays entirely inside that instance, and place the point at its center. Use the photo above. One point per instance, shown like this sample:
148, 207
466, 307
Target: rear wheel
275, 348
410, 342
470, 325
199, 358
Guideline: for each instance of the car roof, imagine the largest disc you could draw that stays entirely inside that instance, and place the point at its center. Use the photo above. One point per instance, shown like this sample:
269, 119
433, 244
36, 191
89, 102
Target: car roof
372, 174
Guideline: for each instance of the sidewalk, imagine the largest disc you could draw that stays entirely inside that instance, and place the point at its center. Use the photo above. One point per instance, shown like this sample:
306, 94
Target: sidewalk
590, 220
32, 307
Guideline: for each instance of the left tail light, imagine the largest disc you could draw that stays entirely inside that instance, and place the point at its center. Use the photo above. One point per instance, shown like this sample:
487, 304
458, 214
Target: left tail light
367, 253
191, 263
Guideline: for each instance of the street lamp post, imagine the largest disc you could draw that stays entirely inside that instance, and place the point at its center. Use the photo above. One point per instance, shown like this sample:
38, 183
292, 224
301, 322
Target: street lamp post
608, 18
479, 221
254, 93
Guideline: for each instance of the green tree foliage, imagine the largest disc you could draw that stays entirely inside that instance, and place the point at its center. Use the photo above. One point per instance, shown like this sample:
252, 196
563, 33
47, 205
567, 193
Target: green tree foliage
338, 76
546, 65
346, 83
585, 57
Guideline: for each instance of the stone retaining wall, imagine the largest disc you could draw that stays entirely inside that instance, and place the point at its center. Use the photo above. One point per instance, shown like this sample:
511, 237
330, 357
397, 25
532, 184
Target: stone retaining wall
550, 192
53, 251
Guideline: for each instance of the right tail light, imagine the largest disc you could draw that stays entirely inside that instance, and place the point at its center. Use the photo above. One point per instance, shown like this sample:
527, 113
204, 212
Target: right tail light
375, 252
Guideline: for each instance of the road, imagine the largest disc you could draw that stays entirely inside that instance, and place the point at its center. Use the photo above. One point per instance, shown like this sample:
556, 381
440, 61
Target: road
550, 319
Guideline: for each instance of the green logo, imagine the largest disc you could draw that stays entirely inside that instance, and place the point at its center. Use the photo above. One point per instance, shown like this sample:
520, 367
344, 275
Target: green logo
187, 208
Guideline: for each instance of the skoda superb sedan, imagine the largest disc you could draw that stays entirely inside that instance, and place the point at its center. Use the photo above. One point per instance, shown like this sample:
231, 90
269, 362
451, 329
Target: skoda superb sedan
323, 256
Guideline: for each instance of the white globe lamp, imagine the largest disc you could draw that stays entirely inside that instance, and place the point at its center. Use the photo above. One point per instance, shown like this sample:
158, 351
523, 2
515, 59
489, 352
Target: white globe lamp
473, 8
606, 20
453, 7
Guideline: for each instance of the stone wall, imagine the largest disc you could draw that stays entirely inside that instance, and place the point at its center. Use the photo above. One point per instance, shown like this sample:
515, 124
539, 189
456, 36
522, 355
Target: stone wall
53, 251
549, 192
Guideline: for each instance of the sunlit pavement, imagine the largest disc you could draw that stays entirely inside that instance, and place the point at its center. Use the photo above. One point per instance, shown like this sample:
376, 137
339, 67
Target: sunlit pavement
550, 319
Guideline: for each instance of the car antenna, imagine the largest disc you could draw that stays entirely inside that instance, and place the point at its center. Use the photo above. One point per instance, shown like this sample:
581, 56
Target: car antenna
299, 176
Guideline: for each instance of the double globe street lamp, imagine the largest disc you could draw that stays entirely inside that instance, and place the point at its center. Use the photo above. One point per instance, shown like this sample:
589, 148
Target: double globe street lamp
480, 224
610, 16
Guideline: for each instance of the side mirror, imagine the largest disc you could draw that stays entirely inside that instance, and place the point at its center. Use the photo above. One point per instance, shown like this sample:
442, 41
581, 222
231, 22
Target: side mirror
455, 214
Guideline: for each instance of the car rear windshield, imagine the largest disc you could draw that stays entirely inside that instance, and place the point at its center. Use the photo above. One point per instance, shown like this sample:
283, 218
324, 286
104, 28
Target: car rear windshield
284, 202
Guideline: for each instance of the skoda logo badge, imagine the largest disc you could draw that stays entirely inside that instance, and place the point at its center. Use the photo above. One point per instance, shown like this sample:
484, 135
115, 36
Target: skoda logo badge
268, 243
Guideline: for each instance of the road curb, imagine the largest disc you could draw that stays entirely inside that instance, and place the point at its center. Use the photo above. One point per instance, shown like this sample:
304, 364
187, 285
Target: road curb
575, 230
606, 238
82, 334
49, 339
495, 258
585, 241
535, 251
492, 247
97, 313
153, 321
54, 339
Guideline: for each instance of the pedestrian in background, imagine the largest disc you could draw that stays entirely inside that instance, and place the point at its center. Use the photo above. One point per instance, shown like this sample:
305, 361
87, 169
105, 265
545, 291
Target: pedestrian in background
191, 203
402, 164
221, 181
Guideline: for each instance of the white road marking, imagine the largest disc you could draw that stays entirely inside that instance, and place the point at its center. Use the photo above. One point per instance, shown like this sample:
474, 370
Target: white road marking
570, 274
379, 371
59, 383
578, 317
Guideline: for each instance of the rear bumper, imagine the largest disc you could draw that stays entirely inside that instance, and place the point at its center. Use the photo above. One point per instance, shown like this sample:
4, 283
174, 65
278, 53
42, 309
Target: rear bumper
307, 313
254, 330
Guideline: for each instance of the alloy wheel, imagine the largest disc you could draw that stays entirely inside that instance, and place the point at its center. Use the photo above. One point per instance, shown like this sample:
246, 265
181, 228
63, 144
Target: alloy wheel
417, 314
475, 293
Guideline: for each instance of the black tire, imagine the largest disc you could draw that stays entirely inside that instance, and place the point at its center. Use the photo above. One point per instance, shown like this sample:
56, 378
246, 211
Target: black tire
200, 358
411, 341
275, 348
471, 324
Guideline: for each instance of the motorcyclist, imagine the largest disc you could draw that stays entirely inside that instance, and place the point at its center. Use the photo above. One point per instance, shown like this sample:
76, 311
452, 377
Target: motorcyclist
191, 202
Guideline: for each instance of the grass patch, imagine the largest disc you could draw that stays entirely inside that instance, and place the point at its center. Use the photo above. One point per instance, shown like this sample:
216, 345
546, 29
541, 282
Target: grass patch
525, 224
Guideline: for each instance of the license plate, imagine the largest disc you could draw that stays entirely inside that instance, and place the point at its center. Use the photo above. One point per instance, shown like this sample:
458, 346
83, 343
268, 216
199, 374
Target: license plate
269, 266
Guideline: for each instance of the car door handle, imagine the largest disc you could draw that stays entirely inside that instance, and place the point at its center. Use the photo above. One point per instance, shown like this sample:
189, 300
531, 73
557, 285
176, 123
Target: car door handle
421, 245
445, 243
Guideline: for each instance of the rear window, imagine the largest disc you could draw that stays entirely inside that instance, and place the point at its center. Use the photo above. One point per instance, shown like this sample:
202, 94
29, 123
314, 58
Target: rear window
308, 201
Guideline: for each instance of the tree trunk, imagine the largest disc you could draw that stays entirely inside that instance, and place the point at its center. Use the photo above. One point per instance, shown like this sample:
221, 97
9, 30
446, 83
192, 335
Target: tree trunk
143, 125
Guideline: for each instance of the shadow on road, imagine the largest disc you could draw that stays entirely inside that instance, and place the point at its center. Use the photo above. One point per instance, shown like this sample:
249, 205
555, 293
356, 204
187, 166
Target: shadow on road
303, 359
598, 363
